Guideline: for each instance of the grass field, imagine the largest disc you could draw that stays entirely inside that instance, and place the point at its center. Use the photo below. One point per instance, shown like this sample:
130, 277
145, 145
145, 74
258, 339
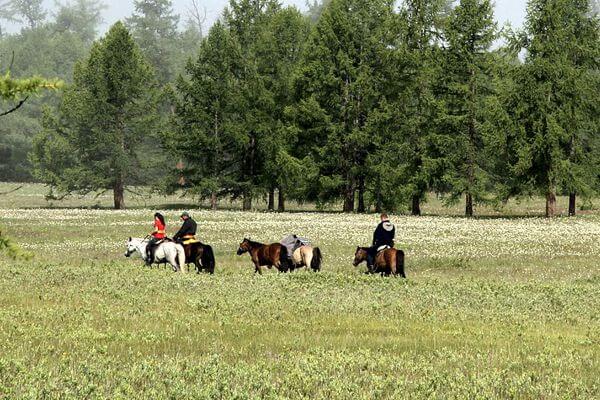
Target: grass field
492, 308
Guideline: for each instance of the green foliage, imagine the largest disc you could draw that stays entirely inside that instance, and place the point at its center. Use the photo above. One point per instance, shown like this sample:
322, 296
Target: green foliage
555, 101
207, 136
341, 79
407, 161
51, 49
470, 33
14, 89
154, 27
103, 117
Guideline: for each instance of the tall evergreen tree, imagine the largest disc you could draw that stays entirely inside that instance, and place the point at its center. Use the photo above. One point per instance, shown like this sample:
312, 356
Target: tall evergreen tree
80, 17
341, 80
92, 144
154, 27
208, 137
246, 20
278, 52
470, 33
556, 98
407, 162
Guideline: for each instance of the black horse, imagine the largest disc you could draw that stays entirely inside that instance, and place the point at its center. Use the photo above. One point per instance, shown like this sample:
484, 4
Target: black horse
201, 255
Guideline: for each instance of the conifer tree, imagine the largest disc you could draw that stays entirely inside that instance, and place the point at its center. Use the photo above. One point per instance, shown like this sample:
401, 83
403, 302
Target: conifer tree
341, 80
154, 27
208, 135
92, 143
407, 161
470, 33
246, 20
556, 98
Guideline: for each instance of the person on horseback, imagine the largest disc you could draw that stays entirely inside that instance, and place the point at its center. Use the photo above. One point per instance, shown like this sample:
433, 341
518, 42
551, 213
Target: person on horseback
187, 232
382, 237
158, 234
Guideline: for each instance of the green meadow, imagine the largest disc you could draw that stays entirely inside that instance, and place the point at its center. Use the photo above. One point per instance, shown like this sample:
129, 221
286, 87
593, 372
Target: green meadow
506, 305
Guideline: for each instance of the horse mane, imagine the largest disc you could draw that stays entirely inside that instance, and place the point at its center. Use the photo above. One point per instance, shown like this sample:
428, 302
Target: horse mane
253, 243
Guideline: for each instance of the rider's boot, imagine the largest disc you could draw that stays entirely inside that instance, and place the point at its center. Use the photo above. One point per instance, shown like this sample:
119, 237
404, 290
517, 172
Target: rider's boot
370, 263
149, 257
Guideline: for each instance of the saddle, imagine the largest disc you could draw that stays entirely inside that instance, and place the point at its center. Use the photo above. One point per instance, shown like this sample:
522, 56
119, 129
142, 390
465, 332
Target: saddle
190, 241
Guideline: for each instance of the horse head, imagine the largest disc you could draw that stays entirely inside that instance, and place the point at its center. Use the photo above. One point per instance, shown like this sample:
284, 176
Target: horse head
359, 256
132, 246
245, 246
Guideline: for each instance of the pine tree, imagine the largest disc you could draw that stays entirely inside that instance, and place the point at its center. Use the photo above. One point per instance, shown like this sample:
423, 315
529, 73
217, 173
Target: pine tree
208, 137
407, 162
91, 144
341, 81
278, 51
556, 99
154, 27
470, 33
246, 19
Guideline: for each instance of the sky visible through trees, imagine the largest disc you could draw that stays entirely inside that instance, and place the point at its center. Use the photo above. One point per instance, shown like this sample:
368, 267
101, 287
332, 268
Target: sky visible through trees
512, 11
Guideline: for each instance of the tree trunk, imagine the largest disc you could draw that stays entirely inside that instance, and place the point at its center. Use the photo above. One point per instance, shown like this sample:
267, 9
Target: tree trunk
281, 200
469, 205
551, 202
213, 201
271, 205
247, 203
361, 195
378, 200
572, 204
416, 205
118, 194
349, 198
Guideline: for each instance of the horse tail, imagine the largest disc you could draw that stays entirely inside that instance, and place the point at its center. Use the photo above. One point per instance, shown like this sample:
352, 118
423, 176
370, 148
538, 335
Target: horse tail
208, 259
400, 263
181, 257
315, 263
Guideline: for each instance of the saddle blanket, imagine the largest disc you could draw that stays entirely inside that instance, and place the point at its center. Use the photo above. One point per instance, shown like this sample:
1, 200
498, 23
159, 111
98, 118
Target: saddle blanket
382, 248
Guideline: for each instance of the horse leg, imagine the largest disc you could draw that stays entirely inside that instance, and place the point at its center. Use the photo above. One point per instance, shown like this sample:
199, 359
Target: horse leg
392, 263
307, 259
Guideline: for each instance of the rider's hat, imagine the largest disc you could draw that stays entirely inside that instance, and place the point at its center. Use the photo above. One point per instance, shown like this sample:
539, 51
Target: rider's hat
185, 214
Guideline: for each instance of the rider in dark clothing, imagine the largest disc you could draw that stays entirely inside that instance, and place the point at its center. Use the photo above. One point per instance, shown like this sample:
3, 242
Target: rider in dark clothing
383, 236
187, 230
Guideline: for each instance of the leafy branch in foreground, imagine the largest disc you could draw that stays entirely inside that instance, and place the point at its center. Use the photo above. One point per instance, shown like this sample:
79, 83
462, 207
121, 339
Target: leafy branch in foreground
12, 250
20, 89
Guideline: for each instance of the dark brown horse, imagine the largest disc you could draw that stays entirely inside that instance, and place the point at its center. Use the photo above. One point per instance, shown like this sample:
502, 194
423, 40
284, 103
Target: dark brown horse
264, 255
201, 255
389, 261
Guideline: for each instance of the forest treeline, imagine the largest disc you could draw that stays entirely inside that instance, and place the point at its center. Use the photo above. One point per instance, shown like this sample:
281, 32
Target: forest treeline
364, 102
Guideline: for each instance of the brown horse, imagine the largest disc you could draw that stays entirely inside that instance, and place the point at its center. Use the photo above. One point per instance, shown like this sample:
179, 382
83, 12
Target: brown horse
201, 255
389, 261
269, 255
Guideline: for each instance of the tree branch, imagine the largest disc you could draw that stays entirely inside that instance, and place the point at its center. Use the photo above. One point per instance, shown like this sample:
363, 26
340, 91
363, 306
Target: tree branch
15, 108
11, 191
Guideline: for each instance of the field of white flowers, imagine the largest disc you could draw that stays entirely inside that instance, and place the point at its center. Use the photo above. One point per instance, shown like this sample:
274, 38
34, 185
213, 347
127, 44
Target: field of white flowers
492, 308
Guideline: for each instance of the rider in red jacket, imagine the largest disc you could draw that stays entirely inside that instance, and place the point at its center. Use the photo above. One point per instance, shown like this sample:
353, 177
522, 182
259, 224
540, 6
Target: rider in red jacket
158, 234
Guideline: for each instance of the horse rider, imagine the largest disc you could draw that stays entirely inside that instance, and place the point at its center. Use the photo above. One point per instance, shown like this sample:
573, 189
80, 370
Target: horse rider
158, 234
187, 232
382, 237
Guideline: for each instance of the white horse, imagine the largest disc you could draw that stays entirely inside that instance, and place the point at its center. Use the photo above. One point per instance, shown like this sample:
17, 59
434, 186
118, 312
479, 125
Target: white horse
170, 252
